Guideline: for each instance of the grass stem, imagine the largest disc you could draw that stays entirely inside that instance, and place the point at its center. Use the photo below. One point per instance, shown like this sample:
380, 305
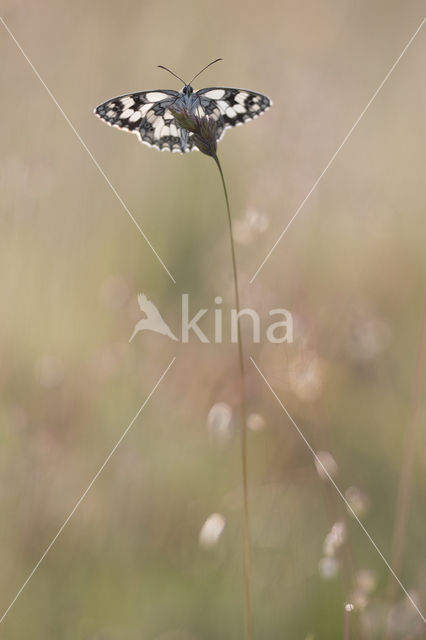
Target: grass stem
406, 475
248, 612
347, 621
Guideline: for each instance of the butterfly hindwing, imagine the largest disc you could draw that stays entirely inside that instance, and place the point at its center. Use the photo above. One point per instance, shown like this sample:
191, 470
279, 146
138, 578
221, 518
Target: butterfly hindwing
234, 106
158, 128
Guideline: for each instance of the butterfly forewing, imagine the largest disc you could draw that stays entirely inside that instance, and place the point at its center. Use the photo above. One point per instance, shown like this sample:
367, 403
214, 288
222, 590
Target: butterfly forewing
126, 111
146, 114
235, 106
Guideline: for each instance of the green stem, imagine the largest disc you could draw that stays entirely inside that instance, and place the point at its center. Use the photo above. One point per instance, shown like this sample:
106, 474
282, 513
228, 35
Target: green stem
248, 614
406, 474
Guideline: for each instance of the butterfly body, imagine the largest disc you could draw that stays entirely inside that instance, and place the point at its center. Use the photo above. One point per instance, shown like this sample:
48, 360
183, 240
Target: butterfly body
148, 115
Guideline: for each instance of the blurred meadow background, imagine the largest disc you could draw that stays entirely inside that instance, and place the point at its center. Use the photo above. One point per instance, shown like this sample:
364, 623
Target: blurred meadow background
144, 556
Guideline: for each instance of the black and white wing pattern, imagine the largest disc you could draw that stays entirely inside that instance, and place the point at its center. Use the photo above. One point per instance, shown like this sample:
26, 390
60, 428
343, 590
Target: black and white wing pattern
146, 114
232, 107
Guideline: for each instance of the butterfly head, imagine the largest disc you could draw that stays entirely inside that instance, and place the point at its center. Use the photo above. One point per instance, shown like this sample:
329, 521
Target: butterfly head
187, 90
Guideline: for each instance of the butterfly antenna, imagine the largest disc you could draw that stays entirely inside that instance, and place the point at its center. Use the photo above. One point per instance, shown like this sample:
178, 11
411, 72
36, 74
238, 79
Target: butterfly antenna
206, 67
173, 74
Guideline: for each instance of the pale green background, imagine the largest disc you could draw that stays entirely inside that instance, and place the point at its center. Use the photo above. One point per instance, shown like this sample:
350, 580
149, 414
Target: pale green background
351, 269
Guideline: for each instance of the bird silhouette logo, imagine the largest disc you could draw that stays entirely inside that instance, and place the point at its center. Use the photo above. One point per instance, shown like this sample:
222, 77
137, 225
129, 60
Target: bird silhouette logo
153, 320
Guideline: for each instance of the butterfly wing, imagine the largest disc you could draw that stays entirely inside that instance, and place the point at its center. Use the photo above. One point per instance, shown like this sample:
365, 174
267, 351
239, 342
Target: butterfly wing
146, 114
232, 107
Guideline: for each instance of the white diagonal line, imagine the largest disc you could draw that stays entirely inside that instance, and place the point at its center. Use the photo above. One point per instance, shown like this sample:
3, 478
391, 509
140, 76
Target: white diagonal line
84, 145
333, 157
84, 494
318, 461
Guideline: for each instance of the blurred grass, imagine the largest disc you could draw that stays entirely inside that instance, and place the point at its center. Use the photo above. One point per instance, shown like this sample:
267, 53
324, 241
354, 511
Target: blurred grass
351, 269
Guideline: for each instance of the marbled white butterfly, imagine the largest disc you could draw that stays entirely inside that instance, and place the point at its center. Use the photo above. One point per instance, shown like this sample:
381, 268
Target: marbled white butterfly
147, 114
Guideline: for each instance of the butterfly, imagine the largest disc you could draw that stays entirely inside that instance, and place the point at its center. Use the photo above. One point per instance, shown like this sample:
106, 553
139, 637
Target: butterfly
148, 115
